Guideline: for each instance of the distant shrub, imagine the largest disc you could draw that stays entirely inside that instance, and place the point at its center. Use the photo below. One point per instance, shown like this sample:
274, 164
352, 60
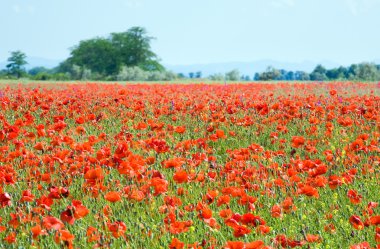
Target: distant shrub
137, 74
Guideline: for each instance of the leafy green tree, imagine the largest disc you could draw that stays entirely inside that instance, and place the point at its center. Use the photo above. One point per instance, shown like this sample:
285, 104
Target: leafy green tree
301, 75
133, 48
336, 73
16, 64
105, 57
368, 72
181, 75
352, 72
290, 75
270, 74
319, 73
98, 55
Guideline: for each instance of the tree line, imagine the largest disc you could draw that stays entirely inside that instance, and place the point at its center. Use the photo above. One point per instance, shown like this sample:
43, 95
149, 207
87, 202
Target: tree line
362, 71
120, 56
127, 56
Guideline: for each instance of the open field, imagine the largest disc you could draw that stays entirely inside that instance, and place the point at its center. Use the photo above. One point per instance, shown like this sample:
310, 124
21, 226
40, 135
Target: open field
249, 165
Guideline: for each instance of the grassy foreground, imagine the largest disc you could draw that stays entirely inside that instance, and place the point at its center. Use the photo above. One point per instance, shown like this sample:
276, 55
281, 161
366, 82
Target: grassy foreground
190, 165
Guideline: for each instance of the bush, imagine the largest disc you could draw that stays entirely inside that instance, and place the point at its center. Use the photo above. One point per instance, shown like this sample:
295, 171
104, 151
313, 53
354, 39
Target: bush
217, 77
137, 74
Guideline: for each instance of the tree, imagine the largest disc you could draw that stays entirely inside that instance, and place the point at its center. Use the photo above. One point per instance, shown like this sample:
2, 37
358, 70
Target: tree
270, 74
233, 75
17, 60
368, 72
105, 57
98, 55
290, 75
336, 73
319, 73
133, 48
301, 75
181, 75
352, 72
282, 75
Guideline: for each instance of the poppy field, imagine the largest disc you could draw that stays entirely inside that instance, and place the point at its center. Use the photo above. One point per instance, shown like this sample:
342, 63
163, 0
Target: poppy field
237, 166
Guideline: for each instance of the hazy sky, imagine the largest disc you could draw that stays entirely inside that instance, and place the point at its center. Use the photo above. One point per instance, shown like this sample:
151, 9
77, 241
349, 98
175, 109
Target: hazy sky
200, 31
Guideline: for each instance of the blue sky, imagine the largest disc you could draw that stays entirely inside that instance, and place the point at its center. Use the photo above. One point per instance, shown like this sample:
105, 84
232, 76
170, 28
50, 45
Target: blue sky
200, 31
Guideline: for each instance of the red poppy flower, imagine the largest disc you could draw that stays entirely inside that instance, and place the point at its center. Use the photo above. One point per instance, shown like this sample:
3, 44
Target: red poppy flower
297, 141
254, 245
68, 216
180, 129
92, 234
180, 176
276, 211
205, 213
117, 228
375, 220
80, 211
5, 199
308, 191
65, 236
176, 244
355, 198
37, 231
51, 222
356, 222
240, 231
173, 163
113, 196
11, 238
27, 196
234, 245
312, 238
363, 245
252, 220
263, 229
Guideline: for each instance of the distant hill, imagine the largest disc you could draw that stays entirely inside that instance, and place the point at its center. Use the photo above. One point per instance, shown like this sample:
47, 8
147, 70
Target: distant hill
36, 62
249, 68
